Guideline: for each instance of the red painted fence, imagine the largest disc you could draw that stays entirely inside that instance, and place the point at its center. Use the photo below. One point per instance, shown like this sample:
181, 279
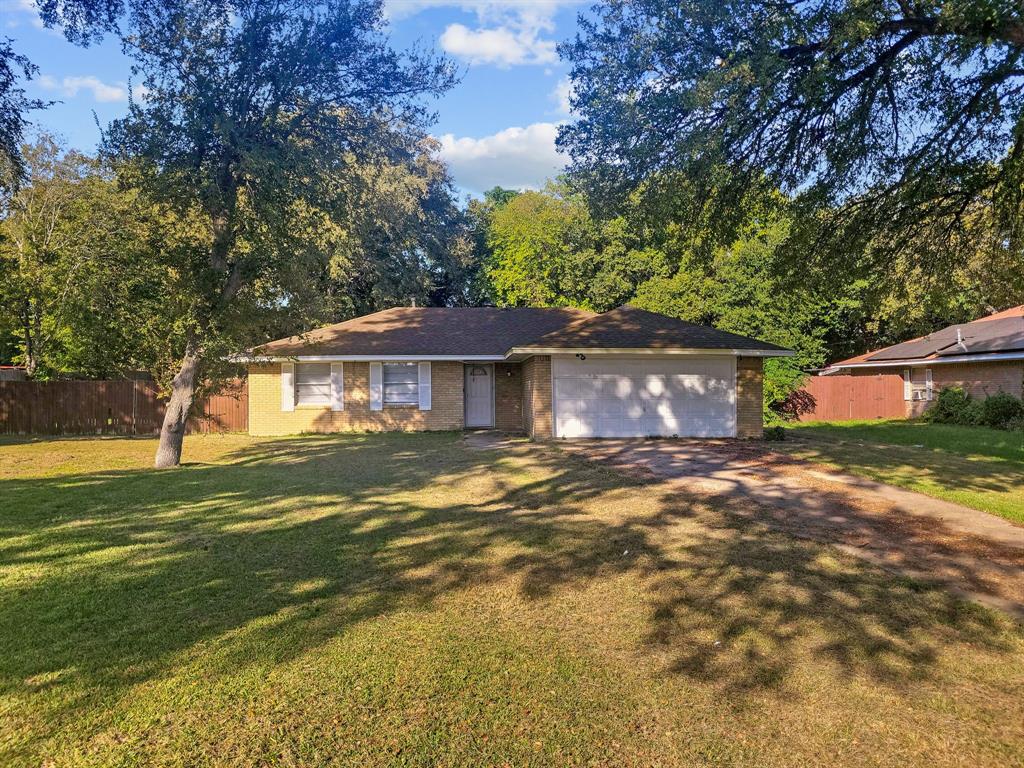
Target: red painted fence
842, 398
110, 407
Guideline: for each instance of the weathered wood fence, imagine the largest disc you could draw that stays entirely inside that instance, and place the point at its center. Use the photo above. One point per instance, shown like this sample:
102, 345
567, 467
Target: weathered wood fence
110, 407
842, 398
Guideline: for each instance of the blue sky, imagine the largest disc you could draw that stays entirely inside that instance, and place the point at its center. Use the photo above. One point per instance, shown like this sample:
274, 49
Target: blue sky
496, 127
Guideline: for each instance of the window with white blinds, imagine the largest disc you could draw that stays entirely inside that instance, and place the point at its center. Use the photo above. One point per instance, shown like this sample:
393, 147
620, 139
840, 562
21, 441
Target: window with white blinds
401, 384
313, 384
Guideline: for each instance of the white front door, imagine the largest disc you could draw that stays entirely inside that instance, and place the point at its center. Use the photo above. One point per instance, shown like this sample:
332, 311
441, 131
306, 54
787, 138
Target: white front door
479, 395
637, 397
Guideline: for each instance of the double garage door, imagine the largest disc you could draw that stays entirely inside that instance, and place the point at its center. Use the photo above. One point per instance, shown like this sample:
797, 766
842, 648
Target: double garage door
640, 397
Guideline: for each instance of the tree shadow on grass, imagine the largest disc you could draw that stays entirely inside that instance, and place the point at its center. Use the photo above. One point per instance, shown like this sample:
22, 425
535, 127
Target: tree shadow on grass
946, 470
111, 575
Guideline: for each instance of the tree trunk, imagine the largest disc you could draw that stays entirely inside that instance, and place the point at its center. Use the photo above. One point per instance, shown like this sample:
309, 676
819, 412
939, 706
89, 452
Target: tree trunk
172, 433
31, 324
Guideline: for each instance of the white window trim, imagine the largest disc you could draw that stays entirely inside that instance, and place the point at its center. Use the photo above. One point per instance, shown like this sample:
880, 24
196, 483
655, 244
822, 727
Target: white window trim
322, 401
337, 386
424, 390
415, 402
287, 386
376, 386
918, 390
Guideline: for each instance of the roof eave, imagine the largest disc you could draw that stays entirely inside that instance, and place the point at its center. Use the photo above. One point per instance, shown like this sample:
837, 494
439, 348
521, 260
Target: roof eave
365, 358
725, 352
926, 361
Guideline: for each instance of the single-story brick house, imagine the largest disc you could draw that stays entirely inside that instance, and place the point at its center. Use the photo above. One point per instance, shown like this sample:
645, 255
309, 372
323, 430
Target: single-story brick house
984, 357
547, 372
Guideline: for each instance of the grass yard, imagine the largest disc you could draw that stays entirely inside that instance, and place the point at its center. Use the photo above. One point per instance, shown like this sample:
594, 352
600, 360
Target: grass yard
974, 466
409, 600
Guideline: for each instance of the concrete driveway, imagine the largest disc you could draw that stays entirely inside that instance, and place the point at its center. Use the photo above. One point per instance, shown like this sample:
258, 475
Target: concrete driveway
979, 555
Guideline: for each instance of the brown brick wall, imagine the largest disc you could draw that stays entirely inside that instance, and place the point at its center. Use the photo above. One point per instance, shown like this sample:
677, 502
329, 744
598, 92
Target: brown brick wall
749, 397
981, 380
508, 397
537, 396
267, 418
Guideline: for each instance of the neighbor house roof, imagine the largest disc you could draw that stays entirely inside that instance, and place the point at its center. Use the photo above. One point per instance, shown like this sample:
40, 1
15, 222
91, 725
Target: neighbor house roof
489, 332
999, 334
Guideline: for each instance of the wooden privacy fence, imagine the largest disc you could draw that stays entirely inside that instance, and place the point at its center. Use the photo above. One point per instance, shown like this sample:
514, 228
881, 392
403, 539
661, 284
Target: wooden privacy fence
110, 407
841, 398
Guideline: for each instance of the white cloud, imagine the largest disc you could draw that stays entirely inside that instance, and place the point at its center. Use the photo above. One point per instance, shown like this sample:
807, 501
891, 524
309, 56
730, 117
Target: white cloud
484, 9
517, 158
72, 86
562, 96
507, 33
502, 45
12, 9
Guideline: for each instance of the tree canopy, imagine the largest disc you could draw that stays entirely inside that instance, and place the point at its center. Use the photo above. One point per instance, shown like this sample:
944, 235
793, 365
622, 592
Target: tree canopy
893, 118
257, 116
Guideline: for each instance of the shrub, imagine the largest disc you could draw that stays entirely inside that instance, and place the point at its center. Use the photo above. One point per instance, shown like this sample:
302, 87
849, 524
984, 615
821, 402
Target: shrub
796, 404
1016, 424
999, 410
950, 407
972, 414
774, 434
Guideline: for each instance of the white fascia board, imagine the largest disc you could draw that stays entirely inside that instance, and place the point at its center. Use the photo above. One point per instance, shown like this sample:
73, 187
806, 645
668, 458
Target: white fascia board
948, 360
649, 351
367, 358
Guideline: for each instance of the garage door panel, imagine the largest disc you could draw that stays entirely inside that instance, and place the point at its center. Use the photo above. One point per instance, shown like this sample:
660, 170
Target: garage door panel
650, 396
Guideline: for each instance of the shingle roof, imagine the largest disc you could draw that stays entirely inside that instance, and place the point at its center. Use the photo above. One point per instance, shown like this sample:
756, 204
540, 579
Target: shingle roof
472, 331
429, 331
1001, 332
631, 328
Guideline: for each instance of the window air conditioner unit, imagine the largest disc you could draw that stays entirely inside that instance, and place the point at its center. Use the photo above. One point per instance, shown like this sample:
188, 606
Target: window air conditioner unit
918, 395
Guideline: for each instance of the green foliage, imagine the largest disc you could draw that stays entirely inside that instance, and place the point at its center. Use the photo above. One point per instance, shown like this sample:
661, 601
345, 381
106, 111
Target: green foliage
775, 434
80, 261
956, 406
544, 249
1000, 410
889, 120
951, 406
547, 248
272, 125
745, 288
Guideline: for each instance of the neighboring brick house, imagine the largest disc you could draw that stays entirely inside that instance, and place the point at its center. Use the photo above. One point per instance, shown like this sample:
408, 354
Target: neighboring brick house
984, 357
547, 372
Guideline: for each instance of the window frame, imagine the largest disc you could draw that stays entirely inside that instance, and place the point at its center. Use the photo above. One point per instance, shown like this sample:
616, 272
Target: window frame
322, 400
412, 399
924, 390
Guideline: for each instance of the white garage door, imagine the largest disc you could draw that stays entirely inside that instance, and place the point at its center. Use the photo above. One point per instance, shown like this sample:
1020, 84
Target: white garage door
638, 397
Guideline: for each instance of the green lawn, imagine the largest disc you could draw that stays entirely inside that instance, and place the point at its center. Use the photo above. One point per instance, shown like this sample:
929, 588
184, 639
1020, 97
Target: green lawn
974, 466
409, 600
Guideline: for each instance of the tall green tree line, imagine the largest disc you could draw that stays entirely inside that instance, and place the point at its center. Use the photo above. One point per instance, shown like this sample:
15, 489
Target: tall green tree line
550, 248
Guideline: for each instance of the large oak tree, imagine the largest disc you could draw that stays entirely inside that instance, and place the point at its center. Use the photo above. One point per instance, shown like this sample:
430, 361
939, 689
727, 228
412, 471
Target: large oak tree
254, 111
888, 119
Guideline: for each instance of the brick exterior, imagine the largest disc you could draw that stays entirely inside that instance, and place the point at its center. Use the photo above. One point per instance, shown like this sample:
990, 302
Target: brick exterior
522, 401
979, 379
749, 397
267, 418
508, 397
537, 397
